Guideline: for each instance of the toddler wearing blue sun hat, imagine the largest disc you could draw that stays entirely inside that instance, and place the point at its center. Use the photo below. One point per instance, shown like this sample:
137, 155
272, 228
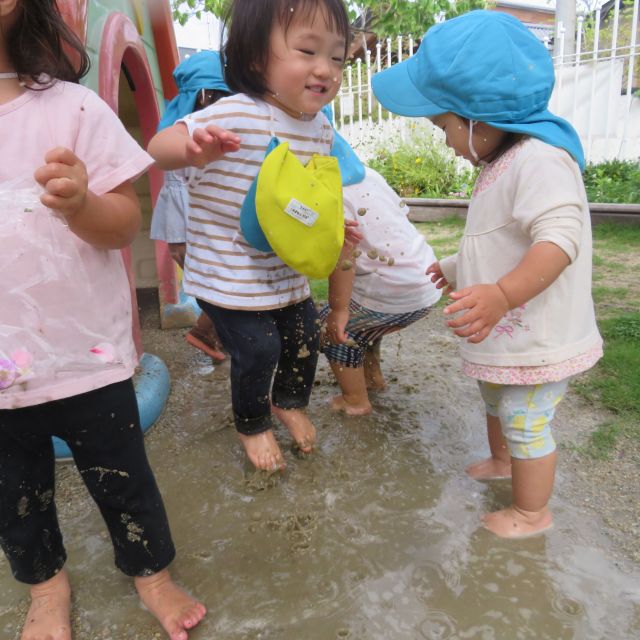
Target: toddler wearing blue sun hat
522, 274
200, 82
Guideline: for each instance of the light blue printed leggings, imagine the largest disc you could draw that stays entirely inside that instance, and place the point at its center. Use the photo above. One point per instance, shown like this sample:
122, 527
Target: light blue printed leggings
525, 412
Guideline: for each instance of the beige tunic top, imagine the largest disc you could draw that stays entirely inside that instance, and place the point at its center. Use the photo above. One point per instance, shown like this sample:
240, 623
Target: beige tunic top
533, 193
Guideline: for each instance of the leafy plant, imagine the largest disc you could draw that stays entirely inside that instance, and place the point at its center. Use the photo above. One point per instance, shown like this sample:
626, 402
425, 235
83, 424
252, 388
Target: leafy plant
615, 181
424, 170
394, 17
184, 9
391, 17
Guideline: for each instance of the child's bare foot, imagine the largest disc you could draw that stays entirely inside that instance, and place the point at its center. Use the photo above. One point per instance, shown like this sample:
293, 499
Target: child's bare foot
338, 403
490, 469
175, 610
516, 523
263, 450
48, 617
299, 426
207, 342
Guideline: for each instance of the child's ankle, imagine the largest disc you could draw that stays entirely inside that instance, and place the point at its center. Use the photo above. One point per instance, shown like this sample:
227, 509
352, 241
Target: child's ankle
351, 406
515, 522
49, 612
490, 469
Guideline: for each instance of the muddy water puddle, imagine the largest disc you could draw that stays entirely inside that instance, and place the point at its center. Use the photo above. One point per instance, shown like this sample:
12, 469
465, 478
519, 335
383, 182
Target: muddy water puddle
374, 537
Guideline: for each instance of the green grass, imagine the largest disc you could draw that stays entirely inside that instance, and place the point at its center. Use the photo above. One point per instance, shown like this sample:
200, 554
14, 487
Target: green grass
615, 384
319, 290
603, 294
443, 235
612, 236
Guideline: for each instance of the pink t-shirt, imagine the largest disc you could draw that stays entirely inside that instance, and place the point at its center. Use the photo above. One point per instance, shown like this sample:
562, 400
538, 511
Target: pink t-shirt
65, 306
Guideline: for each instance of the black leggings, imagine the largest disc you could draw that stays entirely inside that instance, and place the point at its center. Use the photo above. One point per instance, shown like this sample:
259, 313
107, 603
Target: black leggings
102, 429
283, 342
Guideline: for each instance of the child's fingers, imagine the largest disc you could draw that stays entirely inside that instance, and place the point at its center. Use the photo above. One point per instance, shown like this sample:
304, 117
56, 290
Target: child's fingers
434, 268
351, 236
463, 320
462, 293
222, 134
470, 327
52, 171
194, 150
61, 155
480, 336
229, 146
202, 137
61, 187
458, 305
336, 334
56, 203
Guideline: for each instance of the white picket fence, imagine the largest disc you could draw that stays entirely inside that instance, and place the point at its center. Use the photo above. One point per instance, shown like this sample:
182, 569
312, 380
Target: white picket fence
593, 90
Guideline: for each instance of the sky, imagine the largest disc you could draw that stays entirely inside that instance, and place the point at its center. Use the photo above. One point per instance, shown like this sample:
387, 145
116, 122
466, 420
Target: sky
199, 34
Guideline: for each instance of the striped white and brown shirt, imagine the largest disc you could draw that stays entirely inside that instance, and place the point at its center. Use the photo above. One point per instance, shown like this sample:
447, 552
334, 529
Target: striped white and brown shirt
221, 267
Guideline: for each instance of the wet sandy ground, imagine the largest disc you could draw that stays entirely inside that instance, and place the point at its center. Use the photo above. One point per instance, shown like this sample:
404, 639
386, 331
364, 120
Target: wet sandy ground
374, 537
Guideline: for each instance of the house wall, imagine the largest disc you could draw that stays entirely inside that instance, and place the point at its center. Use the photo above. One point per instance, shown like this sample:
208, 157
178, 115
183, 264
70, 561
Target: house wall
530, 16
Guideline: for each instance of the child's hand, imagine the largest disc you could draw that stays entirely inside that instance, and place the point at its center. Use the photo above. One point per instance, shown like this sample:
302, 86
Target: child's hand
437, 276
486, 305
336, 322
65, 181
178, 251
351, 235
209, 144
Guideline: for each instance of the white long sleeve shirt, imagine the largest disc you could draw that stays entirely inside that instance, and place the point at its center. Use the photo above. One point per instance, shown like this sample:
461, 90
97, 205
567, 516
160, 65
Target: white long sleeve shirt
533, 193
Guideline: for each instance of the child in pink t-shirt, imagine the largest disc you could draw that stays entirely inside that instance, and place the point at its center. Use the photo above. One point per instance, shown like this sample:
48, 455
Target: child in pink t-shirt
67, 357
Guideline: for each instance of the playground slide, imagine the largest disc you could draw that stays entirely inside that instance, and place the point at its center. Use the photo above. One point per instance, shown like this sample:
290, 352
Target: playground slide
133, 51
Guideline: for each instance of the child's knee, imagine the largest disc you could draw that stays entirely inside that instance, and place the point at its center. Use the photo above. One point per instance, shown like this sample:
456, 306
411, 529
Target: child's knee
529, 444
526, 414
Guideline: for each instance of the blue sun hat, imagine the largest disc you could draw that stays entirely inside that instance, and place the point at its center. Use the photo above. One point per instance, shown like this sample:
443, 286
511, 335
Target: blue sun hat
202, 70
486, 66
351, 167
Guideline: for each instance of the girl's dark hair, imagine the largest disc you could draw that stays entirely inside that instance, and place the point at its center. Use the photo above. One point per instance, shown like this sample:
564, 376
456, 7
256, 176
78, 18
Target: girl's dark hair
207, 97
510, 140
40, 43
249, 23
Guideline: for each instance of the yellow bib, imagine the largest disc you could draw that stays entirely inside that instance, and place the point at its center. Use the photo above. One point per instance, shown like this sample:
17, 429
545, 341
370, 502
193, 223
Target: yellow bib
300, 210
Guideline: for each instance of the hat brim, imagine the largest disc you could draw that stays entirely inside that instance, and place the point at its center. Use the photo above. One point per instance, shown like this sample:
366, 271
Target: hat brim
351, 167
396, 92
549, 128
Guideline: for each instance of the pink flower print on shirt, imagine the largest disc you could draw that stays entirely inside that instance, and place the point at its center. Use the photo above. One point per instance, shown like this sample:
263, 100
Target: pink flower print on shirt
105, 352
511, 322
8, 373
15, 368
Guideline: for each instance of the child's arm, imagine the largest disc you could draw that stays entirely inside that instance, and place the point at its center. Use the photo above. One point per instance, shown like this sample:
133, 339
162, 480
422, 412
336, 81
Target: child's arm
486, 304
340, 288
174, 148
110, 221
